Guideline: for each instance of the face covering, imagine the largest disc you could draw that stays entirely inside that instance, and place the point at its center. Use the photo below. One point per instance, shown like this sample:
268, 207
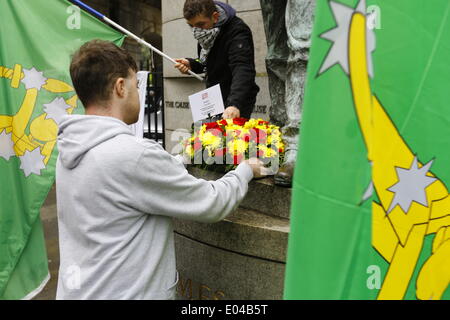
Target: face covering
206, 39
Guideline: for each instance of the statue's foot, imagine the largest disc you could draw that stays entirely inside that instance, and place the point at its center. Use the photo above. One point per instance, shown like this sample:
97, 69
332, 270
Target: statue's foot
284, 176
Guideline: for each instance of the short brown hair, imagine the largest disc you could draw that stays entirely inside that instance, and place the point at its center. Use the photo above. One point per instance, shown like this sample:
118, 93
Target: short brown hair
193, 8
96, 66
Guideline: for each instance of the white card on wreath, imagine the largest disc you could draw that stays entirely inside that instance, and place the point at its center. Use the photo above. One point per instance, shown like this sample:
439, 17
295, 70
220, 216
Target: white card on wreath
206, 103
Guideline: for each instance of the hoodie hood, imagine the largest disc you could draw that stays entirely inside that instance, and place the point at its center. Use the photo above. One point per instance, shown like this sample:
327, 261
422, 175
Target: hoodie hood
229, 11
80, 133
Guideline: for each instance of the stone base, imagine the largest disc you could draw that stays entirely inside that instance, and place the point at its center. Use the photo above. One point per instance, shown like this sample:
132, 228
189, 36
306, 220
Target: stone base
241, 257
210, 273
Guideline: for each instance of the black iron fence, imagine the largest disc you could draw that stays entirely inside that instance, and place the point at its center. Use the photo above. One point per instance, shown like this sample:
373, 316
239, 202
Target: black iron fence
154, 111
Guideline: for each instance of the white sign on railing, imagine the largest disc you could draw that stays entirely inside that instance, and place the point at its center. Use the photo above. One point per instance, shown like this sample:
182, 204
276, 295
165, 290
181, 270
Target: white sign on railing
138, 127
207, 103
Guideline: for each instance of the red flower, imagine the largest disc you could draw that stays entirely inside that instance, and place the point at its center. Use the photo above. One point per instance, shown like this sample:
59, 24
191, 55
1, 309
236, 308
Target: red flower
262, 136
263, 123
247, 137
216, 132
223, 122
220, 152
239, 121
258, 135
212, 125
237, 159
197, 146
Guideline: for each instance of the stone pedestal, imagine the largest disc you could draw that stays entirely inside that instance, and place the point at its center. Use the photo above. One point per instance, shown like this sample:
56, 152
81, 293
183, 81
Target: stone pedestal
242, 257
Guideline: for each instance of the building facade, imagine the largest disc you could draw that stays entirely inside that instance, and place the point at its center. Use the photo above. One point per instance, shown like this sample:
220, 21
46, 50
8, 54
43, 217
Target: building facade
141, 17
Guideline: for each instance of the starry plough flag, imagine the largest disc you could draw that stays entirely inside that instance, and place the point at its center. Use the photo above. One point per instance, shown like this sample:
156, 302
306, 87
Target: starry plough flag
37, 39
370, 216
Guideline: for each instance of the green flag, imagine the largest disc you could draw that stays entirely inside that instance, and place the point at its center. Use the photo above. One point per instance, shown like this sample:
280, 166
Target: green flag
37, 39
370, 216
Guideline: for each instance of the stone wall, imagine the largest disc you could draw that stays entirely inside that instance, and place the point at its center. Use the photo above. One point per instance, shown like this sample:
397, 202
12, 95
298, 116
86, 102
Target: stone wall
178, 43
141, 17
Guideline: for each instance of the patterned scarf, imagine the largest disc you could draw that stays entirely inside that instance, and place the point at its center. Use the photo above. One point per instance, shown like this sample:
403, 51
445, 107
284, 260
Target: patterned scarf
207, 37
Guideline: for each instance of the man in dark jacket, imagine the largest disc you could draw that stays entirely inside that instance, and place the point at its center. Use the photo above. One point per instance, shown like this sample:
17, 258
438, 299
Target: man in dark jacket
226, 54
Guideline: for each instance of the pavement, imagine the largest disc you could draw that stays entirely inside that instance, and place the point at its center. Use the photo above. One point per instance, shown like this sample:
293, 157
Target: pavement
50, 223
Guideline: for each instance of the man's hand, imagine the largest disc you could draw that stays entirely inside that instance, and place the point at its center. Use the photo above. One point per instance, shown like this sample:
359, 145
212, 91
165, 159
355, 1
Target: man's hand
259, 171
231, 113
183, 65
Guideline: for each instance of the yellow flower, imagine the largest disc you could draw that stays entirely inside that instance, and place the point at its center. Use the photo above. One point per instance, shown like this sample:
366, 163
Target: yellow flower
210, 151
251, 124
274, 139
280, 145
189, 151
233, 127
237, 146
244, 132
268, 152
276, 132
229, 122
261, 127
209, 139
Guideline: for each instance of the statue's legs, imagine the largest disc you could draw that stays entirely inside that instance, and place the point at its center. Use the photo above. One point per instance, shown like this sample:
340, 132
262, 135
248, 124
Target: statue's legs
277, 55
299, 23
288, 26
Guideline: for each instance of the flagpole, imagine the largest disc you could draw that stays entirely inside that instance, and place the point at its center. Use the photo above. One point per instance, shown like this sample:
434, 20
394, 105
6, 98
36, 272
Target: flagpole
128, 33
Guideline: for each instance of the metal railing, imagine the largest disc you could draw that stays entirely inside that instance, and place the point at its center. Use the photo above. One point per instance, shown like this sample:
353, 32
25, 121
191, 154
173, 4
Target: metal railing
154, 127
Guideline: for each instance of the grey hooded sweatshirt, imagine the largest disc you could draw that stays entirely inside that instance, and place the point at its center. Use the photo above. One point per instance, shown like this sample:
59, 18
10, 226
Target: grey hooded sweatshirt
116, 197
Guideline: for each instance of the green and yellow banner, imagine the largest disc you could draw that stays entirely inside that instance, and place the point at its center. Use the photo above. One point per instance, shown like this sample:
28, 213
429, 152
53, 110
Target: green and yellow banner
371, 205
37, 39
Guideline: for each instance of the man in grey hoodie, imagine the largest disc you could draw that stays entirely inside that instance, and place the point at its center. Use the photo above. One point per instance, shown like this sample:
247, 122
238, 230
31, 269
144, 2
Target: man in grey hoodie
117, 194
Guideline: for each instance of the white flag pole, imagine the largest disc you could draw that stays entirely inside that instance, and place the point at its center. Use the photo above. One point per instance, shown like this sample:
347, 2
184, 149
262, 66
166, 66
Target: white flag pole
128, 33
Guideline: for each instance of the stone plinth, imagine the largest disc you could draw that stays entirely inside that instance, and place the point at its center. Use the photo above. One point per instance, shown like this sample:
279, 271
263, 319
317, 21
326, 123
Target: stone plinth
210, 273
262, 195
241, 257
